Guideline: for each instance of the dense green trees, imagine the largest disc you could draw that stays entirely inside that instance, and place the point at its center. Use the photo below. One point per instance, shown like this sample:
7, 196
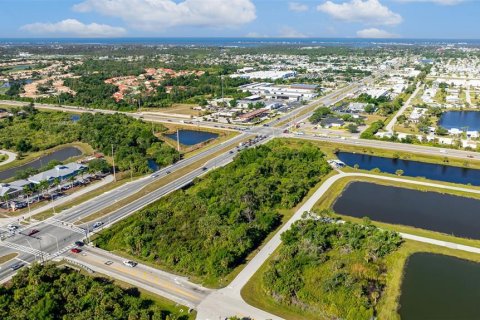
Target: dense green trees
319, 114
133, 140
47, 292
209, 228
29, 130
333, 270
370, 132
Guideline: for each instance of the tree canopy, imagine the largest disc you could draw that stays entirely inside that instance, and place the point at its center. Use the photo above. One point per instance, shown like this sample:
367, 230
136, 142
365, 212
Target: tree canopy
47, 292
209, 228
331, 269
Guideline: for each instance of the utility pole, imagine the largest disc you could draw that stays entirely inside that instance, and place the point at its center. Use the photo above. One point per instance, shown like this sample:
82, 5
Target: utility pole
131, 171
223, 99
113, 161
178, 141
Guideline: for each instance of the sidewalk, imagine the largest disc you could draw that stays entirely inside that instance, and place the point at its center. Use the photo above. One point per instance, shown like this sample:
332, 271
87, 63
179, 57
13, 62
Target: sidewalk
11, 157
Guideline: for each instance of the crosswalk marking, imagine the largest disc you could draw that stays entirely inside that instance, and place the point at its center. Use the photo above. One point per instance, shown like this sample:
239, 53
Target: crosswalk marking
65, 225
22, 248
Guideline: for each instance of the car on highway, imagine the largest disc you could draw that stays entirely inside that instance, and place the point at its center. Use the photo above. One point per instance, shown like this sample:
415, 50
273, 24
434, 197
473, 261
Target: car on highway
204, 168
130, 263
32, 232
108, 263
168, 172
76, 250
16, 266
79, 243
12, 227
97, 224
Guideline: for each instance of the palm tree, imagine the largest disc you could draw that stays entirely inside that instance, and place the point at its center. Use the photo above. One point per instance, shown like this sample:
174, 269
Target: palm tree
43, 186
56, 182
28, 190
71, 179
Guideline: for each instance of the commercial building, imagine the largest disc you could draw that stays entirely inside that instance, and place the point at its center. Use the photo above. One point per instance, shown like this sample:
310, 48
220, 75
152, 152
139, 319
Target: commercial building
61, 172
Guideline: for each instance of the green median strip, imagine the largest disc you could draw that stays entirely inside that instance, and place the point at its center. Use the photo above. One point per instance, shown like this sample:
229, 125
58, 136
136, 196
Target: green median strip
155, 185
8, 257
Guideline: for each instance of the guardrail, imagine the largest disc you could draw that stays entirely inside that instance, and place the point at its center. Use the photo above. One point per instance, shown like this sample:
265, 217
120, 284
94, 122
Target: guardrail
78, 264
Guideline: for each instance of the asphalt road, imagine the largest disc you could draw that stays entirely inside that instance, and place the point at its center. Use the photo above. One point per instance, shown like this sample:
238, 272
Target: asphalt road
175, 288
228, 302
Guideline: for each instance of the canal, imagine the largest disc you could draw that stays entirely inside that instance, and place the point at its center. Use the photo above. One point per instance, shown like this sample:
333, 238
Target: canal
60, 155
466, 120
449, 214
412, 168
440, 287
192, 137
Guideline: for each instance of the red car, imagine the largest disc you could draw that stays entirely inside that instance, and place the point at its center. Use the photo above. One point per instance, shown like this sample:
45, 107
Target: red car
76, 250
32, 232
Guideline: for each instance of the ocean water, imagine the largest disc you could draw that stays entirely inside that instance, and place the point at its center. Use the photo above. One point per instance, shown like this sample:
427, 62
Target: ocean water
240, 42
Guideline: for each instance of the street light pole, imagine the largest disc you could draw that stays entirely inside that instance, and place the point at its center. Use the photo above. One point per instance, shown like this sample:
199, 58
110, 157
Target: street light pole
113, 161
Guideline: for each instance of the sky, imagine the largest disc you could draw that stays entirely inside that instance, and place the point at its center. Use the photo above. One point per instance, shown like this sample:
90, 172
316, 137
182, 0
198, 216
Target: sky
422, 19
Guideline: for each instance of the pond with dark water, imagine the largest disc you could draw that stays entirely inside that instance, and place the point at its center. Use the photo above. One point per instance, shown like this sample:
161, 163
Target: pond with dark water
449, 214
440, 287
412, 168
192, 137
60, 155
463, 120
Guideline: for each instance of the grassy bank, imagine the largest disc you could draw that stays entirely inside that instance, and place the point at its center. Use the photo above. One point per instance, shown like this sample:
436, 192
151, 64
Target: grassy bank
326, 202
29, 157
387, 307
331, 148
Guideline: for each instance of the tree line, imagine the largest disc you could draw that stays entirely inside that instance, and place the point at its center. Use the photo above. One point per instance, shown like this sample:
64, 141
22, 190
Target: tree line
209, 228
47, 292
330, 269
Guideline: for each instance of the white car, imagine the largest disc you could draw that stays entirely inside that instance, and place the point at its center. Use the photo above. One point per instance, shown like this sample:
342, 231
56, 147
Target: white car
12, 227
130, 263
97, 224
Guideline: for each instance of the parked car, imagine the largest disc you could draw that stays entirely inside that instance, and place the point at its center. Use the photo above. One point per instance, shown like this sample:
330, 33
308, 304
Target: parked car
76, 250
32, 232
130, 263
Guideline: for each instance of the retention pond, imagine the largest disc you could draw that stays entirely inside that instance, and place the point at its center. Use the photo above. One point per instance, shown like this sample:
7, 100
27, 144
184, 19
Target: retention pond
412, 168
440, 287
449, 214
60, 155
463, 120
192, 137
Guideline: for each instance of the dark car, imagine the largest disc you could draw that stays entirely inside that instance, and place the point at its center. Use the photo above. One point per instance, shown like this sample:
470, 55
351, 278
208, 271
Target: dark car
16, 266
32, 232
79, 243
204, 168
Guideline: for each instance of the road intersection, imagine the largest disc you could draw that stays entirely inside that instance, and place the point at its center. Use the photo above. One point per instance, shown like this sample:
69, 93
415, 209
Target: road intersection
57, 234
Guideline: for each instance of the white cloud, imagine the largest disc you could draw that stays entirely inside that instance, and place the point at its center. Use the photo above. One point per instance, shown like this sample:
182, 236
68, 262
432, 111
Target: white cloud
370, 12
297, 7
440, 2
73, 27
256, 35
289, 32
161, 14
375, 33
